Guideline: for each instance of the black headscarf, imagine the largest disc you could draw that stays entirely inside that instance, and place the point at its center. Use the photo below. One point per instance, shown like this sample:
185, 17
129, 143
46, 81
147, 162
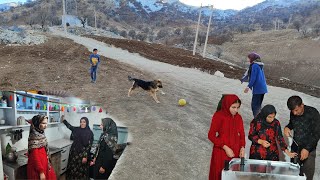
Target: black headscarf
265, 112
82, 136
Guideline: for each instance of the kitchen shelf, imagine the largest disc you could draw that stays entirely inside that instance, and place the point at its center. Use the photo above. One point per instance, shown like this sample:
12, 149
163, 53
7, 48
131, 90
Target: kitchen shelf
5, 107
27, 105
30, 110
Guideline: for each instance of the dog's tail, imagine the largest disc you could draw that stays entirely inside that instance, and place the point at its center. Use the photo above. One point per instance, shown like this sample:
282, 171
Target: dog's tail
130, 78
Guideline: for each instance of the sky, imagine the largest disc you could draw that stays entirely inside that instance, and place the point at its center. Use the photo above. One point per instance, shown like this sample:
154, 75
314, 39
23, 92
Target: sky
223, 4
218, 4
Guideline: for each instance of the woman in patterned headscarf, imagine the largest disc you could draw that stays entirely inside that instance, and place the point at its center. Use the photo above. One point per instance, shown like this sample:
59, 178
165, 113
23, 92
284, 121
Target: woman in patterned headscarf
78, 162
39, 166
104, 157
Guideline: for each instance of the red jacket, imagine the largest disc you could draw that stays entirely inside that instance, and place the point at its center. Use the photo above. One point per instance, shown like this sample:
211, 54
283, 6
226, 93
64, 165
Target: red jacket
37, 163
228, 130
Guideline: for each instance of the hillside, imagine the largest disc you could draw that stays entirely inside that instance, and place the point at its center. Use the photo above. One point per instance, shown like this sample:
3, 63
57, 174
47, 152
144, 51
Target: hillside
166, 136
285, 53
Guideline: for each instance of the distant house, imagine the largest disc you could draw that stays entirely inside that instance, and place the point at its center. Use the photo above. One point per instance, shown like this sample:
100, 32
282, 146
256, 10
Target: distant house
71, 20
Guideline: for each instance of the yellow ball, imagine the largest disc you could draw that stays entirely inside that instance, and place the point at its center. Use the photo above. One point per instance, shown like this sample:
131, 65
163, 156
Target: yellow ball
182, 102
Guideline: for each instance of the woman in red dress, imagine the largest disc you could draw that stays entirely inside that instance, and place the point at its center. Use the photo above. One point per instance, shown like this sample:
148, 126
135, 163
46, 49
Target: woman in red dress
227, 135
39, 166
265, 132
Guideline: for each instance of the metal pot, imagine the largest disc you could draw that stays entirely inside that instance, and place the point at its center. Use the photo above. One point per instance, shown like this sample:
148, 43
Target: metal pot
12, 156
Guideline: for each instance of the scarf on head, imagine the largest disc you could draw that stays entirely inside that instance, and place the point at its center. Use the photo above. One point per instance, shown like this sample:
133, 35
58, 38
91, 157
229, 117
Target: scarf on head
82, 136
264, 113
247, 73
37, 138
109, 135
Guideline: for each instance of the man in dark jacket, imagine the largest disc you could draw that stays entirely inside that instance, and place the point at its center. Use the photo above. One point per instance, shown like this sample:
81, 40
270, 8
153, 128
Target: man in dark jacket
305, 122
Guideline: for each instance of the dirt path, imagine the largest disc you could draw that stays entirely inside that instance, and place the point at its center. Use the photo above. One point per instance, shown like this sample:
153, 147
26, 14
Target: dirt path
170, 142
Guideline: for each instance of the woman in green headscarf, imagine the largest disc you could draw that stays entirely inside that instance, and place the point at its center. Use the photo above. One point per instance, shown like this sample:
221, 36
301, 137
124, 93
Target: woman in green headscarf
104, 160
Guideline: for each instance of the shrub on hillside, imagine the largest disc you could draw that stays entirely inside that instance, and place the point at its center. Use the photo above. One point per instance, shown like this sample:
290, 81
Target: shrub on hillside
123, 33
142, 36
114, 29
132, 34
162, 34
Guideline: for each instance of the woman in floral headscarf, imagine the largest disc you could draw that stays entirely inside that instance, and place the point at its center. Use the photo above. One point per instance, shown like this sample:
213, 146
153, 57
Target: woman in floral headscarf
104, 160
39, 166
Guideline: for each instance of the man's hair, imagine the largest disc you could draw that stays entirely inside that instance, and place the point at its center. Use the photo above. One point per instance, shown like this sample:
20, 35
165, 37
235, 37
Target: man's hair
95, 49
293, 102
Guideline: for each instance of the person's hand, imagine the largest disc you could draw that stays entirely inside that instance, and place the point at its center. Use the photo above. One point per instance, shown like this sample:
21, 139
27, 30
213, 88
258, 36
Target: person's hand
287, 132
241, 154
264, 143
304, 154
228, 151
246, 90
42, 176
62, 118
101, 170
290, 154
84, 160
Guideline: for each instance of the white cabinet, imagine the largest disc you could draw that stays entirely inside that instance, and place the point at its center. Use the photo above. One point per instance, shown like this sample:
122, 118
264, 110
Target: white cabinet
65, 145
27, 105
64, 158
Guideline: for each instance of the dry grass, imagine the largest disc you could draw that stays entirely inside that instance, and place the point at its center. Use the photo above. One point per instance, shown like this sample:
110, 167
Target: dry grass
285, 53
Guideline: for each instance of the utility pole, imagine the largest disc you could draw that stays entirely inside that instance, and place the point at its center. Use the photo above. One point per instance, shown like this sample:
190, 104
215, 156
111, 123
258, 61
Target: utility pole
95, 18
205, 44
76, 7
196, 38
64, 16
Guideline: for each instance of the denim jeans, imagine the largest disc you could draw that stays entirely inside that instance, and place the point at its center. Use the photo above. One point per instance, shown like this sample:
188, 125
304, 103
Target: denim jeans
93, 73
256, 103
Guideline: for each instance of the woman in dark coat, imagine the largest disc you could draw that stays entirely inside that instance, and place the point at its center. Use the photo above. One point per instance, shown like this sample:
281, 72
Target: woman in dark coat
265, 132
78, 162
104, 160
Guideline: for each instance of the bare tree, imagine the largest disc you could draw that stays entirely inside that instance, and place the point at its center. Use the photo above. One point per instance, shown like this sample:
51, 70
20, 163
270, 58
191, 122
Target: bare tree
177, 31
201, 38
31, 20
187, 37
43, 17
218, 52
162, 33
132, 34
316, 29
297, 25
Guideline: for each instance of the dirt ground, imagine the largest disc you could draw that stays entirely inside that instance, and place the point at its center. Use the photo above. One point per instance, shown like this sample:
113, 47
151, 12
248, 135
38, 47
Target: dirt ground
184, 58
169, 142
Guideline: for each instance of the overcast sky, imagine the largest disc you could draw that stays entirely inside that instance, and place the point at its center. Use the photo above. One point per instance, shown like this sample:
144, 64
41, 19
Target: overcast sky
219, 4
223, 4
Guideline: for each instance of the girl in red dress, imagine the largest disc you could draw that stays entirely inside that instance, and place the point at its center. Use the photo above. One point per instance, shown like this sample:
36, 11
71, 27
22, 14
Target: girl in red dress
39, 166
265, 132
227, 135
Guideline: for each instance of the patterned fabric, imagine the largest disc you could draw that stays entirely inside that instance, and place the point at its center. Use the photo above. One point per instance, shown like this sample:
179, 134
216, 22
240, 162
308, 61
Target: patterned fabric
271, 132
109, 135
37, 138
83, 138
76, 169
